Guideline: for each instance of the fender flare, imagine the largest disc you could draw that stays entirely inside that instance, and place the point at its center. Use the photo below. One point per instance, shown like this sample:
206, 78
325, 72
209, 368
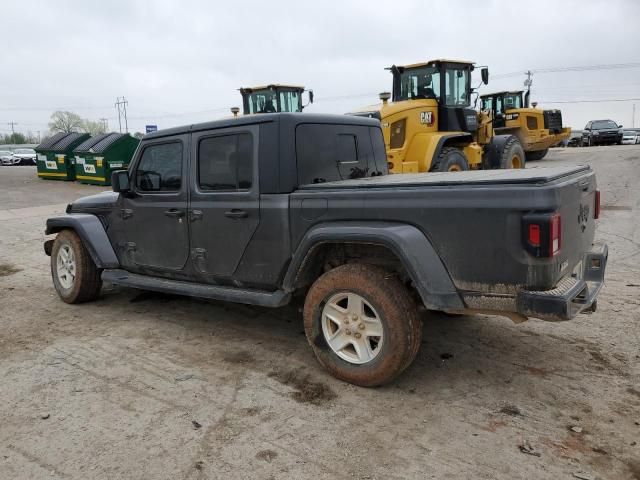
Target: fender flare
410, 245
91, 232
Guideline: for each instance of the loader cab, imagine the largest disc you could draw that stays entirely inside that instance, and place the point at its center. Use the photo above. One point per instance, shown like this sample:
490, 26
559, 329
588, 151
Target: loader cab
498, 103
274, 98
447, 83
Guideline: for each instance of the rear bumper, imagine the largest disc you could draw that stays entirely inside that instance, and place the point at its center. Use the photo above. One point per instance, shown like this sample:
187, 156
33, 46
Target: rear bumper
572, 295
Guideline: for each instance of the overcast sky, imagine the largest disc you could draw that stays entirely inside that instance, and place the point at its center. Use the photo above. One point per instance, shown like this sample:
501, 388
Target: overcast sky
182, 62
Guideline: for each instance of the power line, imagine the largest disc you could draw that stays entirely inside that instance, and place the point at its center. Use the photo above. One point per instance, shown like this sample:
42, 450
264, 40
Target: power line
121, 105
583, 68
12, 125
603, 100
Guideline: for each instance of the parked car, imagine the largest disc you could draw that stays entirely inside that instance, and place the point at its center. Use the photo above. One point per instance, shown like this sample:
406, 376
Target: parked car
6, 157
602, 132
575, 140
261, 208
631, 137
24, 156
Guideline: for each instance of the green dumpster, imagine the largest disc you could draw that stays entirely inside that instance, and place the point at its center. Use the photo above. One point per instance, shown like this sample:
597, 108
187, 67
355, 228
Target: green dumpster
97, 156
55, 156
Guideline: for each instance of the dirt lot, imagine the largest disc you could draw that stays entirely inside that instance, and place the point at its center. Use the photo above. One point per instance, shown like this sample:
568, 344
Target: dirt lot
139, 385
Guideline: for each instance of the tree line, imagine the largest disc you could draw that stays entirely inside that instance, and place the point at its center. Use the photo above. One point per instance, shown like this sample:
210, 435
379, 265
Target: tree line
60, 122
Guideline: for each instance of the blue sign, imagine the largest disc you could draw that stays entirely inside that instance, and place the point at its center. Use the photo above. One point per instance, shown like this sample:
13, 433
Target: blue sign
151, 128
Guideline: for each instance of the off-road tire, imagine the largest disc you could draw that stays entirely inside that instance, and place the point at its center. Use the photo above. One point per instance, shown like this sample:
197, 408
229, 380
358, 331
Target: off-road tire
512, 155
402, 327
87, 282
450, 159
537, 155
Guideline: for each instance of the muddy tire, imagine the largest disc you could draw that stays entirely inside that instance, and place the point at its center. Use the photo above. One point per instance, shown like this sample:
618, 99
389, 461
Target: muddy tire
512, 155
537, 155
450, 159
362, 324
75, 277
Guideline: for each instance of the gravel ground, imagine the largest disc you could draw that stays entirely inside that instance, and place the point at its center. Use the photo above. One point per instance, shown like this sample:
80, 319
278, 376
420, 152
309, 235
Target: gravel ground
139, 385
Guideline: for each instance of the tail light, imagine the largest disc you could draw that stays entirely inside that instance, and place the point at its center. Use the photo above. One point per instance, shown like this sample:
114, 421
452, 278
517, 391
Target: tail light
542, 234
596, 207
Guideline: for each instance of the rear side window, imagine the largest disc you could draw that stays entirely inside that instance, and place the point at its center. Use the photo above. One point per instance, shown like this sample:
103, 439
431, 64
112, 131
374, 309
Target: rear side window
326, 153
160, 168
225, 163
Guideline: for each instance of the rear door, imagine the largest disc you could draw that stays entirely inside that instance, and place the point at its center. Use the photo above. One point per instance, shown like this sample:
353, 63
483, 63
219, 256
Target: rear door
224, 209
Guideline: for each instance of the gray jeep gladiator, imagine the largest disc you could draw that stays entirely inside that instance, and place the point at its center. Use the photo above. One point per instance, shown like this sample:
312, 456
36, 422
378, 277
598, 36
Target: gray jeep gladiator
260, 208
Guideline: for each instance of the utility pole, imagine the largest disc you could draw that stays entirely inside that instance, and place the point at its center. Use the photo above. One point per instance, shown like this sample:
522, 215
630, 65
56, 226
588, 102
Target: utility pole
12, 124
121, 105
527, 83
105, 124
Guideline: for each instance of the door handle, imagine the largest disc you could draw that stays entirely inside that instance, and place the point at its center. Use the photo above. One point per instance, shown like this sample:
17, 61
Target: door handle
174, 213
195, 215
236, 213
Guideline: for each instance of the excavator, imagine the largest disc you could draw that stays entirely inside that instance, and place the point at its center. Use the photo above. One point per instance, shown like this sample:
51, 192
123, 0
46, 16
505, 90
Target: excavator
430, 126
536, 129
273, 98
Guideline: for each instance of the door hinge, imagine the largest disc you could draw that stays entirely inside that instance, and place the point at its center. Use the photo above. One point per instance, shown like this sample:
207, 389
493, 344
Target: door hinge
126, 213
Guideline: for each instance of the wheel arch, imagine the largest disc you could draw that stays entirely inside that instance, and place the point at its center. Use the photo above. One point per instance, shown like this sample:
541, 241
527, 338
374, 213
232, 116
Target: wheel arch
404, 243
92, 233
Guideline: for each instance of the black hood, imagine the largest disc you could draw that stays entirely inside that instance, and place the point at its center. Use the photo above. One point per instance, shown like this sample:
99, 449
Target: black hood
92, 202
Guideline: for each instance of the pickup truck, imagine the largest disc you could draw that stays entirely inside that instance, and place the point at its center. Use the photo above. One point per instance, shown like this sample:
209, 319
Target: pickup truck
259, 209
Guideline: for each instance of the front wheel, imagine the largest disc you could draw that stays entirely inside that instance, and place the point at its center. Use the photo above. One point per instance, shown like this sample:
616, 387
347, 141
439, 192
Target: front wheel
512, 155
450, 159
362, 324
75, 277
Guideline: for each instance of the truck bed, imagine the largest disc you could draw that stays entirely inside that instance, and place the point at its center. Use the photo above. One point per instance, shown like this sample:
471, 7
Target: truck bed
473, 219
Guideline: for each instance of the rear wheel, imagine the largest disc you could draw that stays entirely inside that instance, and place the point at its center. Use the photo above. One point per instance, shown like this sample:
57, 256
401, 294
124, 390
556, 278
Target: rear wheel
75, 277
537, 155
450, 159
362, 324
512, 155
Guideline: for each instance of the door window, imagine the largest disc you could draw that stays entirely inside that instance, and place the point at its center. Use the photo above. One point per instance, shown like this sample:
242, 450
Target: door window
160, 168
225, 163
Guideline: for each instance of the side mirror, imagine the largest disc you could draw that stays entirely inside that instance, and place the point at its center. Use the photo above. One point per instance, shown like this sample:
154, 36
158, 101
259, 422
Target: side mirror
484, 73
120, 181
310, 96
620, 126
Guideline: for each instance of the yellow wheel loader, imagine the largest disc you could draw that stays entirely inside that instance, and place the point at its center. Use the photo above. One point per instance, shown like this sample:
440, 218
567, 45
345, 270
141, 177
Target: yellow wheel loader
430, 125
274, 98
536, 129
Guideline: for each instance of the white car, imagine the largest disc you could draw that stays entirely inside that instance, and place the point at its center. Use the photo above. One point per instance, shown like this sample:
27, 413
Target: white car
6, 157
631, 137
24, 156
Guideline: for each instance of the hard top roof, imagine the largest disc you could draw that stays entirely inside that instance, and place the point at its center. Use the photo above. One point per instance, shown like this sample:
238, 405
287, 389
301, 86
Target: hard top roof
294, 118
501, 93
437, 60
270, 86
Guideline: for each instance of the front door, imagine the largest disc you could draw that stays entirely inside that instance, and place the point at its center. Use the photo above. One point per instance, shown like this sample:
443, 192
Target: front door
224, 201
156, 230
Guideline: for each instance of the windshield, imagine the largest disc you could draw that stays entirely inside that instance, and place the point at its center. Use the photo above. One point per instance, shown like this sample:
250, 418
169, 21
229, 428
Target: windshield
457, 86
290, 101
262, 101
423, 82
512, 100
25, 150
5, 152
602, 124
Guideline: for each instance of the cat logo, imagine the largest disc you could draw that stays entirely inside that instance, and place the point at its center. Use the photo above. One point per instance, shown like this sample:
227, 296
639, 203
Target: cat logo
426, 118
